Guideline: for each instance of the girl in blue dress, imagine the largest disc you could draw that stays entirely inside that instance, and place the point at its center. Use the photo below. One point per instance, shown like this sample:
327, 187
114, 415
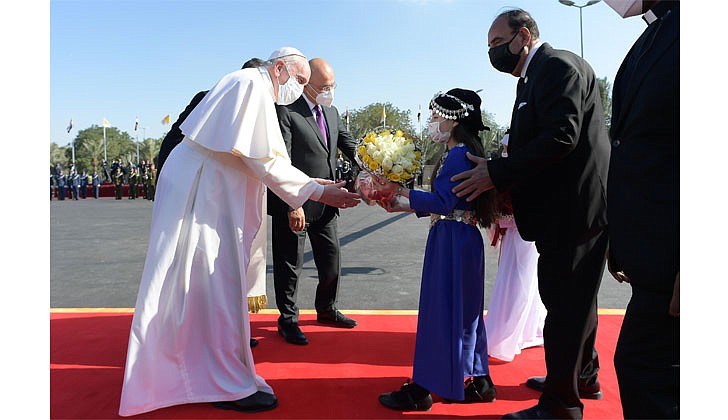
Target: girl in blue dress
451, 357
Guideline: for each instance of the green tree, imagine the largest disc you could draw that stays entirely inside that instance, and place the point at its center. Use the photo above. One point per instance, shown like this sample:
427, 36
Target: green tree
92, 154
90, 146
368, 118
149, 149
58, 155
604, 90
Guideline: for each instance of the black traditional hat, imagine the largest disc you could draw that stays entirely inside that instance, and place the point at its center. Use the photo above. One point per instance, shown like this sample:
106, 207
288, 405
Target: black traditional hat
461, 105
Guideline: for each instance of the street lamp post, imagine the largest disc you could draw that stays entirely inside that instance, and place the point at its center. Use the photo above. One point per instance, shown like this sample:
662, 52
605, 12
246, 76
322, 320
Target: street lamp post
581, 28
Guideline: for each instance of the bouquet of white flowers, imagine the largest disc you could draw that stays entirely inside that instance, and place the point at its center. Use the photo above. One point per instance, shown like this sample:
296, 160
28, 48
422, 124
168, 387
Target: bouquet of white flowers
385, 156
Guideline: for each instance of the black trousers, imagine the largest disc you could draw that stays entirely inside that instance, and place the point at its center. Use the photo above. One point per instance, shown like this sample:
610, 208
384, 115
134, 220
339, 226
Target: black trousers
647, 358
288, 251
569, 276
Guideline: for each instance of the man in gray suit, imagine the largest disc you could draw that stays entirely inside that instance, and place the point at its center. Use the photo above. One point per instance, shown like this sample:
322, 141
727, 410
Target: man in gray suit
312, 131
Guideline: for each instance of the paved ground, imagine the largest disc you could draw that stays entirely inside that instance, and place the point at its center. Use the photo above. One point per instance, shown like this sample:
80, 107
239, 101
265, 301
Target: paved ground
98, 249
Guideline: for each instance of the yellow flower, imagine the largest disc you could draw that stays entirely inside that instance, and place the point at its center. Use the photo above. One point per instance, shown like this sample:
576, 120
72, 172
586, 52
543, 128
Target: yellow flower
394, 177
398, 133
373, 165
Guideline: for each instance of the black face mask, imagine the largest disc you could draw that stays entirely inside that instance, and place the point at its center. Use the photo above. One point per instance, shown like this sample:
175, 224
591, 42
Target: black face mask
502, 58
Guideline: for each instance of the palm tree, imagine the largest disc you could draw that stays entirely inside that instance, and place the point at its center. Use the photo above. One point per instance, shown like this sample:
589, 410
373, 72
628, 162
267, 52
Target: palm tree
95, 149
149, 149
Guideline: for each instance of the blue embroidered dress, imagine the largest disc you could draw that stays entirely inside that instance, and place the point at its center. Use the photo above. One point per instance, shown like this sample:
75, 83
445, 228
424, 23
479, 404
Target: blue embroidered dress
451, 342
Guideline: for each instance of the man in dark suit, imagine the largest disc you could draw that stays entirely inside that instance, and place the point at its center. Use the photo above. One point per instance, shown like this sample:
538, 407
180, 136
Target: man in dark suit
644, 213
313, 131
175, 136
555, 172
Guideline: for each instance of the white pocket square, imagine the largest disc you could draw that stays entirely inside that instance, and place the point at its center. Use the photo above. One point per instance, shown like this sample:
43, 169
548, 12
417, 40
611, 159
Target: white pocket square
521, 105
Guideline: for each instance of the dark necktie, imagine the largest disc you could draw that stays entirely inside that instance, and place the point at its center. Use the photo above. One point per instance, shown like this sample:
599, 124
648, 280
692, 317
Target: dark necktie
321, 124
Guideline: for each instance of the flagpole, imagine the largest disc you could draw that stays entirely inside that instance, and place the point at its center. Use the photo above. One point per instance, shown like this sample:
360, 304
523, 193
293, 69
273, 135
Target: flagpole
73, 142
136, 130
105, 144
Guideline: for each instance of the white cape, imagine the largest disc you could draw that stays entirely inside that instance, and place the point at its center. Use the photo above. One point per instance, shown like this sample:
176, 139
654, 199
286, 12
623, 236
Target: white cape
516, 315
189, 340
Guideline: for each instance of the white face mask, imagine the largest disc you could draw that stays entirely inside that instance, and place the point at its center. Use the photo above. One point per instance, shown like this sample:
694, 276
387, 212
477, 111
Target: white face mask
325, 98
433, 129
289, 91
626, 8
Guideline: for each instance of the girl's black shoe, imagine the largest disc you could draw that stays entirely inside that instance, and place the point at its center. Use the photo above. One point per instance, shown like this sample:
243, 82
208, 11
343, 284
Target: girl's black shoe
410, 397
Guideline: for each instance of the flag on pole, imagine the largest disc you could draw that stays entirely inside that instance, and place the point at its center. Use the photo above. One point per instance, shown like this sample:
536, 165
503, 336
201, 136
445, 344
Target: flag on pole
106, 123
165, 120
70, 126
384, 115
419, 113
347, 115
136, 123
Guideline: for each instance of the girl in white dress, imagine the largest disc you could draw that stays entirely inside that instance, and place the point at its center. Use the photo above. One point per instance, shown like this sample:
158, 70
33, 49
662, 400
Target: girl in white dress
515, 315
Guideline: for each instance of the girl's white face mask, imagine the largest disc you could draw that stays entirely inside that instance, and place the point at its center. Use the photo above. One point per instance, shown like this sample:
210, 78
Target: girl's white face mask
433, 129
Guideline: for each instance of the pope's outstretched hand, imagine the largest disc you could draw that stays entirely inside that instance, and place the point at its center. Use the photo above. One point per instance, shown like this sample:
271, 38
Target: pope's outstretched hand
336, 195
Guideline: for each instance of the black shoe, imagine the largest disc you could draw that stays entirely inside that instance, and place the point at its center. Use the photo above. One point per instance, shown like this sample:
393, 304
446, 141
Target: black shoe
587, 390
535, 412
408, 398
260, 401
292, 334
483, 391
336, 319
253, 342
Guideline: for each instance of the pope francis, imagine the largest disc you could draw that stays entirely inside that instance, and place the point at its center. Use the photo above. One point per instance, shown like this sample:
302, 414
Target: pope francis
190, 332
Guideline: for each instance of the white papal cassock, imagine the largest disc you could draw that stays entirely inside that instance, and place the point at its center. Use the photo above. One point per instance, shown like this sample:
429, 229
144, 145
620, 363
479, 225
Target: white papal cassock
190, 334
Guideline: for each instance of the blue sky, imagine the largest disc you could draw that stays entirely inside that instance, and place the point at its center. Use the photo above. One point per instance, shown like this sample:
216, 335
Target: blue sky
122, 59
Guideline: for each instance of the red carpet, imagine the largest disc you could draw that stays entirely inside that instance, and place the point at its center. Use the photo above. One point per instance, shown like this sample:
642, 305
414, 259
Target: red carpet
337, 376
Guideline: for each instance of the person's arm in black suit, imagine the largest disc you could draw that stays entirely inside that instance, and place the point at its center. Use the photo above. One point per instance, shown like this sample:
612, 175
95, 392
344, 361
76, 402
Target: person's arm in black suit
284, 121
296, 217
175, 136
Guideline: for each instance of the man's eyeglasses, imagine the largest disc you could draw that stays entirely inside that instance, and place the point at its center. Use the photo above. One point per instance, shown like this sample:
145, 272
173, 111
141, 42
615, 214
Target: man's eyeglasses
327, 88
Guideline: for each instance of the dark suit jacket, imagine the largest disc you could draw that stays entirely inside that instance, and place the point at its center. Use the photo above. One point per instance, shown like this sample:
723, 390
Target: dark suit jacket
558, 151
644, 173
175, 136
308, 151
